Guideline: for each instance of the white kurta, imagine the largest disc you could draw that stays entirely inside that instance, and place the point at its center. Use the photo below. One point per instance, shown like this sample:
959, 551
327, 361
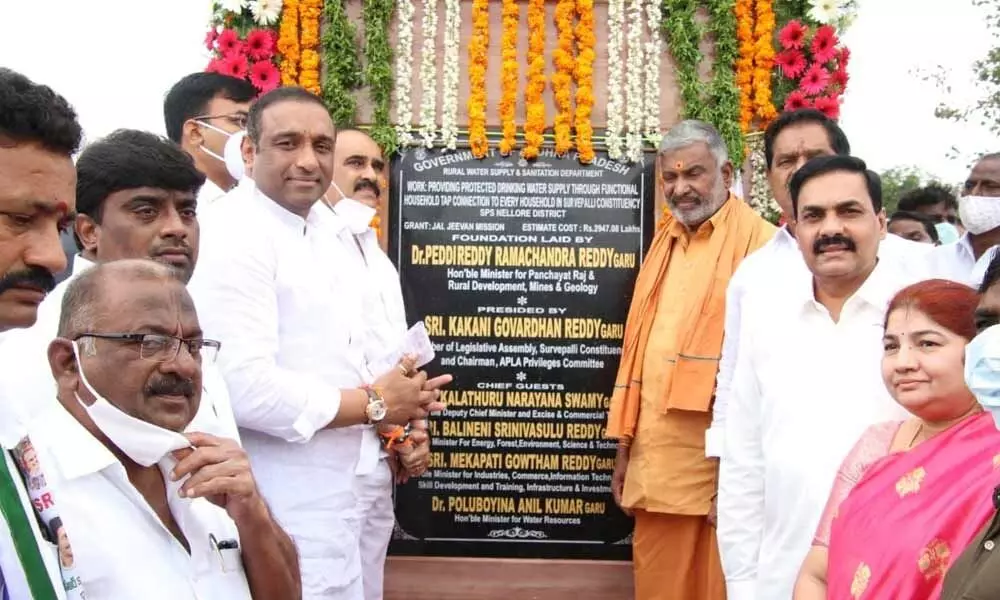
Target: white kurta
293, 330
121, 548
28, 382
804, 388
767, 272
957, 262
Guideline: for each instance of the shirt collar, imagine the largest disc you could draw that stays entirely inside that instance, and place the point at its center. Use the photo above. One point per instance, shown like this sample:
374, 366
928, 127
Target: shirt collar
964, 246
81, 264
286, 217
209, 193
75, 451
876, 291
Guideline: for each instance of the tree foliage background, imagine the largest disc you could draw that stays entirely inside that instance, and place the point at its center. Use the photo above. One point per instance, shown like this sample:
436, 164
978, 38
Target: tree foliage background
899, 180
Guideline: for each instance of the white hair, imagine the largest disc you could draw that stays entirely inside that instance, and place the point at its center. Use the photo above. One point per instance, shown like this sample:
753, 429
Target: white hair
693, 131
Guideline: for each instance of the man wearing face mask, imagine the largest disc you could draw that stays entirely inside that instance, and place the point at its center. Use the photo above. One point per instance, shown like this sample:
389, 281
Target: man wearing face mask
136, 199
150, 507
976, 572
966, 260
358, 170
206, 115
39, 133
807, 380
284, 295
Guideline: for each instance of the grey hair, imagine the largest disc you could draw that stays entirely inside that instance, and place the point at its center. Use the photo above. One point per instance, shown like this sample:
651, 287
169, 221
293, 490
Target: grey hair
83, 298
693, 131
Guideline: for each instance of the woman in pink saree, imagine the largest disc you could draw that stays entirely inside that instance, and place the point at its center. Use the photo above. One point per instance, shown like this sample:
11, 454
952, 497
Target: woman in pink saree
911, 495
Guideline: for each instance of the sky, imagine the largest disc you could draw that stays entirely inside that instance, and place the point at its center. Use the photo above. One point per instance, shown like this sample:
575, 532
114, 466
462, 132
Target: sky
117, 68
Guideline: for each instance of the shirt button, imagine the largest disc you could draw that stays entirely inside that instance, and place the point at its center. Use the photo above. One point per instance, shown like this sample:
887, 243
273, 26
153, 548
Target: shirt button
989, 545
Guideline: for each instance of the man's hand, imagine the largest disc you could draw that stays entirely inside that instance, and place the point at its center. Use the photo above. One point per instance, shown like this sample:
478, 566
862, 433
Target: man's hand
219, 471
618, 476
415, 456
402, 390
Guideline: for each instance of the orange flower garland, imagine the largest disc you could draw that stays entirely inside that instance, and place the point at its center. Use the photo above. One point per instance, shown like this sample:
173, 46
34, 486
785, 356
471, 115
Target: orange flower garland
562, 79
477, 77
309, 43
534, 124
763, 62
586, 40
288, 42
744, 64
508, 99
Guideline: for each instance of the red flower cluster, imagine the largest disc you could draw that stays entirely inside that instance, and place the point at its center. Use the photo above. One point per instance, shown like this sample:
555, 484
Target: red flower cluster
817, 64
250, 58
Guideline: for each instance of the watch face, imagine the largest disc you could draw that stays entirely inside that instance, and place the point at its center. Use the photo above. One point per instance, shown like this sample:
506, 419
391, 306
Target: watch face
378, 410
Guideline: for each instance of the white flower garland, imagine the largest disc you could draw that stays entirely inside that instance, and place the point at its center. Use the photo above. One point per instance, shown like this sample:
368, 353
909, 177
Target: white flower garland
449, 101
760, 198
616, 124
428, 74
634, 93
654, 48
404, 72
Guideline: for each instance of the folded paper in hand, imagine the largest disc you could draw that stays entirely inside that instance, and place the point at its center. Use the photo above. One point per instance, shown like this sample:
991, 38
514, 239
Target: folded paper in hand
416, 343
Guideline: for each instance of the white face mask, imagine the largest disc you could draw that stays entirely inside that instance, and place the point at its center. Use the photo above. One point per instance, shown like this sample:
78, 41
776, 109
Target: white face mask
143, 442
979, 214
232, 153
357, 214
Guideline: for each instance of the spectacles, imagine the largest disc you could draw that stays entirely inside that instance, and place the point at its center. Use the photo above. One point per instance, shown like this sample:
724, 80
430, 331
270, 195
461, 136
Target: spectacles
237, 119
162, 348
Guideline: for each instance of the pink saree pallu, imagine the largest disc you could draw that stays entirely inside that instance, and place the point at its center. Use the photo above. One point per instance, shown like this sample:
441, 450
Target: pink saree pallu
912, 514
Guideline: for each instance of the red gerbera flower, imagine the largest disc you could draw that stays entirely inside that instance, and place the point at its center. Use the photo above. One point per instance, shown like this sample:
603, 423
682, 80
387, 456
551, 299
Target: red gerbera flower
828, 105
824, 44
229, 42
234, 65
214, 66
792, 35
796, 101
260, 45
815, 80
792, 63
843, 57
264, 76
840, 79
210, 38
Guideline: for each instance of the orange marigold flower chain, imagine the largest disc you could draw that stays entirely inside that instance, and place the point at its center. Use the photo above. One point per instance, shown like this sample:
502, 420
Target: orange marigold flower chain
562, 79
745, 63
534, 126
288, 42
763, 61
478, 44
508, 83
309, 15
586, 40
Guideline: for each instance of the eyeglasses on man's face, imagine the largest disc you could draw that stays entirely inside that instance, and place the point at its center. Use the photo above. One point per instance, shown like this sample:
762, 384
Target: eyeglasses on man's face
159, 347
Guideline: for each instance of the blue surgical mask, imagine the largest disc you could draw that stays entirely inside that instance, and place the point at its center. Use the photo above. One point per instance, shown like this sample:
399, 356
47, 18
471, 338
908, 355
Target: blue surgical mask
947, 232
982, 370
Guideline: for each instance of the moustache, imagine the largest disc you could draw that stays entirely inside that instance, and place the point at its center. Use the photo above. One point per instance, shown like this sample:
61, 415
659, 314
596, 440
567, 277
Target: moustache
823, 243
31, 277
368, 183
687, 197
170, 386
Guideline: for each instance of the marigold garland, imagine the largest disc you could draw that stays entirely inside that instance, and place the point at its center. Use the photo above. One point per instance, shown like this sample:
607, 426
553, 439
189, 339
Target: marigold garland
309, 15
744, 64
288, 42
534, 123
586, 40
508, 81
562, 78
763, 62
478, 44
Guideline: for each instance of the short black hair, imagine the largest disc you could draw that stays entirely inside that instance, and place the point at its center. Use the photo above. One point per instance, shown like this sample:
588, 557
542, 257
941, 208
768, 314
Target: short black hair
277, 96
34, 113
129, 159
821, 165
189, 98
836, 135
930, 195
927, 222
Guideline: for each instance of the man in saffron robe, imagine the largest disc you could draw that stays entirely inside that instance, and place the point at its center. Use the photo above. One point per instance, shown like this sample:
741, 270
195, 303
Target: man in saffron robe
664, 390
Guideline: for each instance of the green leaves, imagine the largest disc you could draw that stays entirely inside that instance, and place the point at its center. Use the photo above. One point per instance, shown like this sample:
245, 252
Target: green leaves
378, 71
343, 69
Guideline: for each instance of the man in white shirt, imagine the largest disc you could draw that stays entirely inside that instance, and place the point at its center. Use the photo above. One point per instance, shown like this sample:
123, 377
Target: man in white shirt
150, 506
39, 133
807, 379
789, 141
966, 260
136, 199
203, 111
279, 291
358, 168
